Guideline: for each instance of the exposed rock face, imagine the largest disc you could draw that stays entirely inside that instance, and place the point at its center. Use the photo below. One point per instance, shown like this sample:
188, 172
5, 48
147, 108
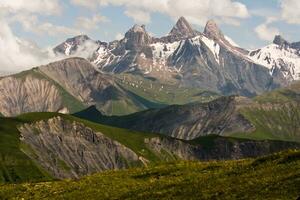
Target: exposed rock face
220, 149
279, 40
65, 86
281, 58
70, 149
212, 30
71, 45
188, 58
30, 94
83, 81
182, 29
137, 37
188, 122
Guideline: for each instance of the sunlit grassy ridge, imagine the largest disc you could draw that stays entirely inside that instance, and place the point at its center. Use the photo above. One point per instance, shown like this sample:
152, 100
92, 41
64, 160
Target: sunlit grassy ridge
168, 93
276, 123
272, 177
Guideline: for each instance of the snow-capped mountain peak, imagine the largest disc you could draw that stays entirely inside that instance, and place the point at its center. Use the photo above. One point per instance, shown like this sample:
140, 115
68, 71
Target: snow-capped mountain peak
209, 60
281, 56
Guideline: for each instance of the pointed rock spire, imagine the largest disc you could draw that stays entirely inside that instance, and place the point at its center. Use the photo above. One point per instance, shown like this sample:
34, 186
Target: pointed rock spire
279, 40
212, 30
182, 29
136, 37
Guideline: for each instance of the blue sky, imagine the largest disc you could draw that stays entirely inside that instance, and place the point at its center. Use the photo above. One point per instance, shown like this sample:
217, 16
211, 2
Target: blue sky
250, 23
118, 23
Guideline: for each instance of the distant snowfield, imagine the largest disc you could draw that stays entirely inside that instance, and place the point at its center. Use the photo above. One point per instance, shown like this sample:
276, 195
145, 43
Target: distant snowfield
273, 56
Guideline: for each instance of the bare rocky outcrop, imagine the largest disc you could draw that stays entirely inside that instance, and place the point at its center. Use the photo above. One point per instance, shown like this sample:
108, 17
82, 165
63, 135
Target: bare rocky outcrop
208, 60
85, 83
70, 149
29, 94
219, 117
181, 30
218, 148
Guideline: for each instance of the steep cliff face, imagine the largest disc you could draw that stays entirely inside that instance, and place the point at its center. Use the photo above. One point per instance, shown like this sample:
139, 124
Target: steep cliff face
29, 94
188, 122
70, 149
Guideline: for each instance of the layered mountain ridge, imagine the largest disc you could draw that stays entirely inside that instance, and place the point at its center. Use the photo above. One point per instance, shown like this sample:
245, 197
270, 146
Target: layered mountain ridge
45, 146
207, 60
66, 86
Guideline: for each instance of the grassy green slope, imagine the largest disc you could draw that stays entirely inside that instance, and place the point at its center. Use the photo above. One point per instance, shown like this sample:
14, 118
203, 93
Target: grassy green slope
132, 139
275, 115
272, 123
270, 177
168, 94
15, 166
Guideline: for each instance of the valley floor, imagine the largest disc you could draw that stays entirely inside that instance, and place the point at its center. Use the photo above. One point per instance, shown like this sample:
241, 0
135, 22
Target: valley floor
271, 177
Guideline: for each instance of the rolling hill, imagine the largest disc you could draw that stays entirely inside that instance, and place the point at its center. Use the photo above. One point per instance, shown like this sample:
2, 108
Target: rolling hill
47, 146
271, 177
273, 116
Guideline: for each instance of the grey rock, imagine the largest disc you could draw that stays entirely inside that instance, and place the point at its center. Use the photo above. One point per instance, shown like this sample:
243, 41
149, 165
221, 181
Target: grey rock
182, 29
218, 149
28, 94
219, 117
69, 149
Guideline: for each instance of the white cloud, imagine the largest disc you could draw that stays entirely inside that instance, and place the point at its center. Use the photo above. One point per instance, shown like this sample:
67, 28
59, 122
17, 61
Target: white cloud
44, 7
265, 31
91, 4
17, 54
119, 36
290, 11
90, 23
139, 16
198, 12
86, 50
32, 24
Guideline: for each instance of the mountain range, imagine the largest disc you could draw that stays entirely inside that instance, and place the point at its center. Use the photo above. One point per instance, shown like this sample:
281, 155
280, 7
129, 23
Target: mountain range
209, 60
144, 100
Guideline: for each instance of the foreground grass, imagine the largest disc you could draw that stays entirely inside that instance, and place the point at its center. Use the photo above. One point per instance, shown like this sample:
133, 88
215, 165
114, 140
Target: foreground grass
271, 177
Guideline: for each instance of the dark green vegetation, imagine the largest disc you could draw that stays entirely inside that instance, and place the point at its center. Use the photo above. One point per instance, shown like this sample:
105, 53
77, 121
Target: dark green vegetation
15, 166
270, 177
